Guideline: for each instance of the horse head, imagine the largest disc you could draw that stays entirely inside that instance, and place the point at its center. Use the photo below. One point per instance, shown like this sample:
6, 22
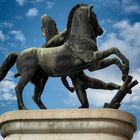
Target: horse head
49, 28
94, 22
82, 21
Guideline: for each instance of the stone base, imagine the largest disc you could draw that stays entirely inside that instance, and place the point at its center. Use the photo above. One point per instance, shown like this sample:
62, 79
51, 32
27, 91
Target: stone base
78, 124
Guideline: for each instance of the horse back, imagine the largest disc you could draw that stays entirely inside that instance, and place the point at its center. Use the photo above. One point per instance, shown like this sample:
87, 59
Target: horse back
27, 60
57, 61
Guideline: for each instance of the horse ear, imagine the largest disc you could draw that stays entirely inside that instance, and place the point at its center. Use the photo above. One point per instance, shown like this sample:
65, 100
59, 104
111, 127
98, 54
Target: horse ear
90, 6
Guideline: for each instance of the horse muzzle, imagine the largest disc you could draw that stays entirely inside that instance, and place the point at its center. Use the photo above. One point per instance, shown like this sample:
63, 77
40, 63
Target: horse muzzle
99, 31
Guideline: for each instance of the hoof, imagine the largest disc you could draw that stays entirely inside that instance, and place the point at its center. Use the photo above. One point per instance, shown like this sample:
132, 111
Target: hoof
84, 106
35, 99
72, 89
23, 108
130, 91
124, 77
43, 107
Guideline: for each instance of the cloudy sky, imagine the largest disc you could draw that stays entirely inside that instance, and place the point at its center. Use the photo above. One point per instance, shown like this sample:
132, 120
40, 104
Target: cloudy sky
20, 28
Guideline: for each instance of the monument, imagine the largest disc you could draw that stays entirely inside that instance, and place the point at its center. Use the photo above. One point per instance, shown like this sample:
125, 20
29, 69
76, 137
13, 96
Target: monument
69, 53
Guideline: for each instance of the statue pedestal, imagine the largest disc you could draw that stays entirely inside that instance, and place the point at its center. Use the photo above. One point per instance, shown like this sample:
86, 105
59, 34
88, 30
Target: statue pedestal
77, 124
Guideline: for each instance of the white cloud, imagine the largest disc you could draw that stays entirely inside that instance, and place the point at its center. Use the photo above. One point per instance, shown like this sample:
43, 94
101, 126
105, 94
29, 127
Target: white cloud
49, 5
130, 6
21, 2
37, 0
107, 3
125, 6
18, 18
7, 88
127, 39
130, 33
19, 36
32, 12
137, 135
6, 24
2, 36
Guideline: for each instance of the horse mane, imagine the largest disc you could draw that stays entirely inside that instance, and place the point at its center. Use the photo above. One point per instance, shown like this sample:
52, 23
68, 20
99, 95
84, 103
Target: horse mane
69, 23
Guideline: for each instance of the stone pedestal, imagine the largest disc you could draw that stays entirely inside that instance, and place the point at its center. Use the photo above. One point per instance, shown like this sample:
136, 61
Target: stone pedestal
77, 124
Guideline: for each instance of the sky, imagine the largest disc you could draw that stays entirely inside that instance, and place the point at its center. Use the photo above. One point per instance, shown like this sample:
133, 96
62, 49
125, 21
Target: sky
20, 28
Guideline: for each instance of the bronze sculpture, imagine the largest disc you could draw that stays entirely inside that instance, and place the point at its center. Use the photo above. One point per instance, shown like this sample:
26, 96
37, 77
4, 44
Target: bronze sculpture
78, 52
80, 81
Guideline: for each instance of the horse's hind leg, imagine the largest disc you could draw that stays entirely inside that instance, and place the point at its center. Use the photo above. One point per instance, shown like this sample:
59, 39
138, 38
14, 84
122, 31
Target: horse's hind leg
82, 96
39, 87
25, 78
98, 84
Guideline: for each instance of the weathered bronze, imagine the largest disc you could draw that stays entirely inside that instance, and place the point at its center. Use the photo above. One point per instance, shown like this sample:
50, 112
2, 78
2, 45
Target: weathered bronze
78, 52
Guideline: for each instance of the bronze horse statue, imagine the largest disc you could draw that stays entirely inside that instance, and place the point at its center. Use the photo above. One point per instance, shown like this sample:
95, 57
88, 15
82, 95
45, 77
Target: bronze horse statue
79, 80
79, 52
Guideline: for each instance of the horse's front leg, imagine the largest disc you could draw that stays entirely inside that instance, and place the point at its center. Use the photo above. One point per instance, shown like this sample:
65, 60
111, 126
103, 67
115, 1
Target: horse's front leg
100, 55
106, 63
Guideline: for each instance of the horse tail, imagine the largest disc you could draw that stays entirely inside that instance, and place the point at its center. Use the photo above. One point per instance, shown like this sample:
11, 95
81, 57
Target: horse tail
7, 65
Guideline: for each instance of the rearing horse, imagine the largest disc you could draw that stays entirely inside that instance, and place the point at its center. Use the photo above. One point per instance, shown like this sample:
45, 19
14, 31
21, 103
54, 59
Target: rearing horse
79, 52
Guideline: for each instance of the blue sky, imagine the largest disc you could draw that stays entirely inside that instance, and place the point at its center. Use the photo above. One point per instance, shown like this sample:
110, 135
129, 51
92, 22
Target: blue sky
20, 28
